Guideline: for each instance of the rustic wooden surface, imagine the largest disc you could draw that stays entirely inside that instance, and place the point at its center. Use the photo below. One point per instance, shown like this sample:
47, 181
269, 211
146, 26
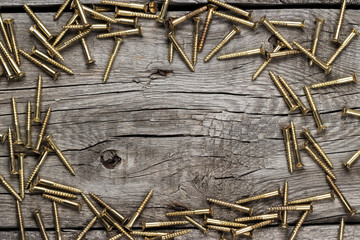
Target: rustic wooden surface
212, 133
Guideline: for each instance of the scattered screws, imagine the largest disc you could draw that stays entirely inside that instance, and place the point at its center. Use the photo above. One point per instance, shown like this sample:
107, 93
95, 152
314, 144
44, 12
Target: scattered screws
283, 92
182, 53
319, 197
350, 79
336, 38
348, 111
11, 31
38, 22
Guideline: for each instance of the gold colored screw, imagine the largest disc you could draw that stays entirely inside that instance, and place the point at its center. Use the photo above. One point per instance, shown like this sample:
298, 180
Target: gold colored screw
128, 32
238, 207
285, 203
298, 225
4, 33
318, 27
8, 73
102, 8
9, 188
162, 224
109, 209
63, 201
52, 184
341, 197
283, 92
147, 234
116, 237
61, 9
11, 155
40, 137
274, 193
28, 127
352, 159
63, 31
326, 67
174, 234
244, 22
350, 79
81, 12
21, 174
314, 109
251, 227
224, 223
38, 22
87, 228
297, 156
137, 6
86, 49
163, 11
341, 229
96, 212
113, 222
318, 197
296, 99
314, 156
127, 21
34, 188
37, 109
249, 52
312, 140
181, 51
206, 211
126, 13
18, 139
98, 15
18, 73
45, 42
196, 224
173, 22
336, 38
39, 221
305, 207
349, 111
286, 134
171, 52
211, 10
57, 221
247, 14
100, 26
197, 22
49, 139
300, 24
225, 40
37, 53
111, 61
274, 31
282, 53
20, 220
132, 220
262, 217
37, 167
11, 31
72, 40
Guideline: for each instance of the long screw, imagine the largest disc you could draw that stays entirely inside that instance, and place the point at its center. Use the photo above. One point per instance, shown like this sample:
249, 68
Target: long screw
38, 22
61, 9
181, 51
298, 225
211, 9
113, 55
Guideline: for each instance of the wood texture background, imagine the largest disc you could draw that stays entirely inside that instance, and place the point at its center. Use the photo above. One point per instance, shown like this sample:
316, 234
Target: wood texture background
212, 133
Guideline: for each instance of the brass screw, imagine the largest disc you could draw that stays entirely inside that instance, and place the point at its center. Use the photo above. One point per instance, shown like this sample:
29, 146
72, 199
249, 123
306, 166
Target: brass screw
18, 139
34, 188
20, 220
116, 237
296, 99
45, 42
350, 79
353, 158
175, 234
318, 27
109, 209
86, 229
40, 137
72, 40
63, 31
329, 195
237, 232
113, 222
283, 92
297, 156
37, 109
274, 193
211, 10
223, 223
173, 22
49, 139
300, 24
162, 224
28, 127
286, 134
21, 174
39, 221
221, 228
127, 21
247, 14
305, 207
343, 200
147, 234
341, 229
282, 53
197, 22
8, 73
37, 53
18, 73
249, 52
38, 22
298, 225
137, 6
196, 224
274, 31
37, 167
163, 11
57, 221
314, 156
52, 184
10, 188
125, 13
206, 211
225, 40
314, 109
326, 67
81, 12
111, 61
181, 51
132, 220
244, 22
61, 9
63, 201
86, 50
336, 38
128, 32
238, 207
285, 203
97, 15
12, 155
100, 26
11, 31
349, 111
171, 52
262, 217
4, 33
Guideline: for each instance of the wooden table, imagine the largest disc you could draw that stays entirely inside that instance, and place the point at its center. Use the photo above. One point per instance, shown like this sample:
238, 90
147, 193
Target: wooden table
189, 136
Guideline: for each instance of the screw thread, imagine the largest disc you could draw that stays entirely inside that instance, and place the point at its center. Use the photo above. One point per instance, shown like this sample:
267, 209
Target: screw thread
167, 223
195, 12
298, 225
86, 229
59, 65
28, 127
57, 221
113, 55
276, 32
21, 175
11, 150
318, 27
297, 156
135, 31
61, 9
175, 234
58, 193
284, 219
108, 207
11, 61
18, 139
77, 27
205, 29
38, 101
323, 154
46, 43
90, 204
8, 72
181, 51
232, 8
253, 25
341, 229
20, 220
335, 82
31, 14
63, 31
65, 202
260, 196
5, 34
230, 205
181, 213
10, 188
291, 208
219, 228
258, 218
103, 17
11, 31
116, 237
314, 110
67, 43
319, 161
171, 52
146, 200
40, 224
224, 223
148, 234
58, 186
261, 224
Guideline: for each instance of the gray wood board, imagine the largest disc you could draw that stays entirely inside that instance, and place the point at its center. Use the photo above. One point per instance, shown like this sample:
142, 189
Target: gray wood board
212, 133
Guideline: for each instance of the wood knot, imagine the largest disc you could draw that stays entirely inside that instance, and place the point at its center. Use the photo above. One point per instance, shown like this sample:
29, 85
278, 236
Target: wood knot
110, 159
